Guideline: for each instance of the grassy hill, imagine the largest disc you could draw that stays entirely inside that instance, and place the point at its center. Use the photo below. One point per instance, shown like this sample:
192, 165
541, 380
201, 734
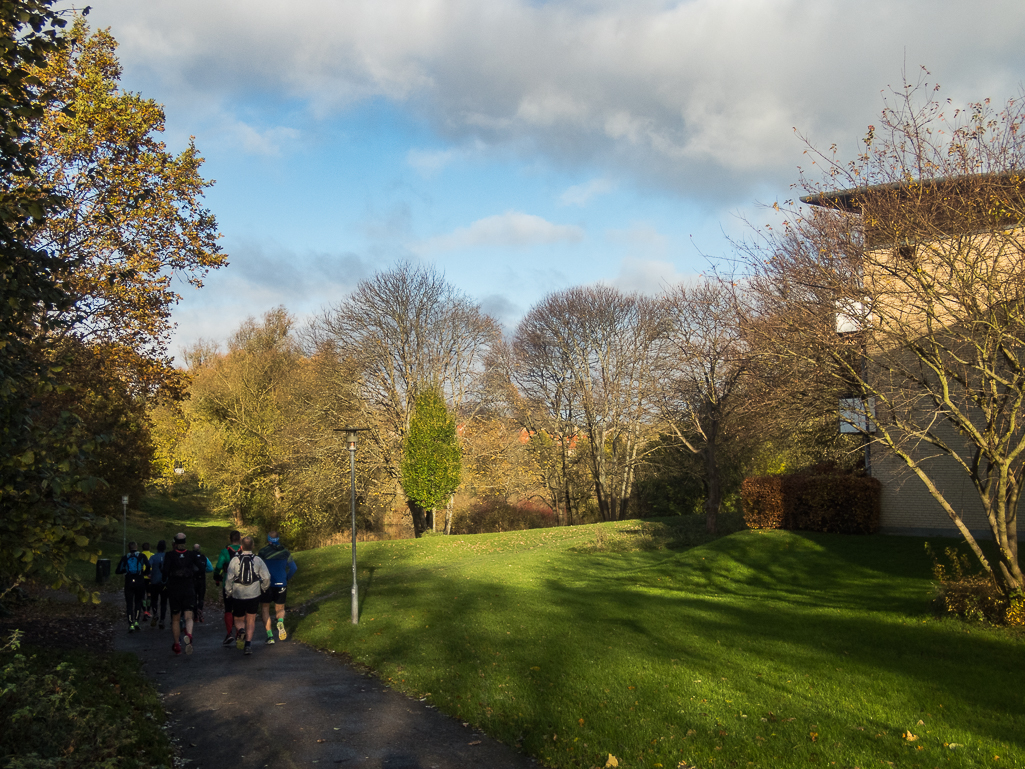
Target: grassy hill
770, 649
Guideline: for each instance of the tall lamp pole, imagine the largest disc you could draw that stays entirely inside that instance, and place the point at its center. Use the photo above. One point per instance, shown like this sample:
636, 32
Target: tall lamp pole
124, 524
350, 440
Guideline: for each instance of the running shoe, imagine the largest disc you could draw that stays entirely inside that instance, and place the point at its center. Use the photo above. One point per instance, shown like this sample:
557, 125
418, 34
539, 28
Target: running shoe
188, 643
240, 639
131, 627
248, 649
270, 637
176, 648
282, 635
229, 640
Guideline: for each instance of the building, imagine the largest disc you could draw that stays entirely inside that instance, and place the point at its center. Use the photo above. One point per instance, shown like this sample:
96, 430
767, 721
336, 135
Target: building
943, 278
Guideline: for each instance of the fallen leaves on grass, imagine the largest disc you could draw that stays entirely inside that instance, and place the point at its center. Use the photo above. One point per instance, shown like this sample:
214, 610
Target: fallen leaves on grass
909, 736
612, 762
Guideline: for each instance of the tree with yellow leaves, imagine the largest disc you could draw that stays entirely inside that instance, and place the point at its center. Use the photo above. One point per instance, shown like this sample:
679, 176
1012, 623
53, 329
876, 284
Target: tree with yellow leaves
133, 217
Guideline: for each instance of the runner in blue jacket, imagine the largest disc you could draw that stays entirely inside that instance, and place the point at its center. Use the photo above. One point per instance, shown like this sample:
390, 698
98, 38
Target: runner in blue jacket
281, 567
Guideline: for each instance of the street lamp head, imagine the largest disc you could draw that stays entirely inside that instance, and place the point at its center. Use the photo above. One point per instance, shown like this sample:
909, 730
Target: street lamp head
350, 438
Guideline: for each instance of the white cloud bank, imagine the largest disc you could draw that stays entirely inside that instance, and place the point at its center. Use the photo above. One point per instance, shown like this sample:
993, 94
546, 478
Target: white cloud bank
698, 96
513, 229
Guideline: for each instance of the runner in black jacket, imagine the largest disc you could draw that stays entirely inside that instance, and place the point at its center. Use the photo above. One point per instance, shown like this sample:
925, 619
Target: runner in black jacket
181, 566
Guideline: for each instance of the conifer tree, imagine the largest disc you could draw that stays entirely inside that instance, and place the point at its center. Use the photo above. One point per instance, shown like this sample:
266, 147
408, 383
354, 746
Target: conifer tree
431, 464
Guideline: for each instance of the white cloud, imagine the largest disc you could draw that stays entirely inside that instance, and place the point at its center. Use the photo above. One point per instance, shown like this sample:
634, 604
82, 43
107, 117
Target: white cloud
648, 276
511, 229
268, 142
698, 96
582, 194
429, 162
641, 238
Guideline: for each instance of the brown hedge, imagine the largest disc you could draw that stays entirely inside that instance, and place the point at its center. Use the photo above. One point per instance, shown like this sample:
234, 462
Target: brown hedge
830, 502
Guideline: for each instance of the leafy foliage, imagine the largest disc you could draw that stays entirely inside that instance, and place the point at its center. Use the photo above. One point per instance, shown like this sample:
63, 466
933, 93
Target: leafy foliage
131, 219
65, 713
431, 462
40, 462
967, 592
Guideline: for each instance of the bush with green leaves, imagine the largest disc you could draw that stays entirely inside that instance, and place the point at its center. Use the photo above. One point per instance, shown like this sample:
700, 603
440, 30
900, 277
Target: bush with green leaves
67, 711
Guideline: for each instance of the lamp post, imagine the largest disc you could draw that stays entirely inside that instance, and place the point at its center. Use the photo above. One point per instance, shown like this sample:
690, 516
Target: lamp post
124, 524
350, 440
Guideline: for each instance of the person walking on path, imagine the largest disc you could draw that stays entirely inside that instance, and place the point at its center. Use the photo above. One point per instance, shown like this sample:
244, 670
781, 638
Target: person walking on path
181, 566
281, 567
146, 581
227, 554
157, 594
247, 577
135, 566
201, 583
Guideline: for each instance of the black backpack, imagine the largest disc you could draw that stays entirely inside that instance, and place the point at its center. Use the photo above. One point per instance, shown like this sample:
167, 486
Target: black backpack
246, 574
181, 565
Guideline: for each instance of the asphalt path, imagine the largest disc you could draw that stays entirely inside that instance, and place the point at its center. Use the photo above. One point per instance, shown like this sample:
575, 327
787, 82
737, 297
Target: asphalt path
289, 705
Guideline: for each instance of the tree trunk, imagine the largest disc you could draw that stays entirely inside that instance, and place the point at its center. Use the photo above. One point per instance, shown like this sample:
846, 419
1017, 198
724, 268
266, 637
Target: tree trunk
713, 499
448, 515
419, 518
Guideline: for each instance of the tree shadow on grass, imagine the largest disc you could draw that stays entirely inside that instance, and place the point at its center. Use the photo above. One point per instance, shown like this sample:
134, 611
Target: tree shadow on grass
621, 650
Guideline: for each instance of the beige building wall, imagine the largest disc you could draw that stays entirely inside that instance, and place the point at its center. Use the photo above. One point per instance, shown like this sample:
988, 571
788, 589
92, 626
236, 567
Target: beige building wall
909, 508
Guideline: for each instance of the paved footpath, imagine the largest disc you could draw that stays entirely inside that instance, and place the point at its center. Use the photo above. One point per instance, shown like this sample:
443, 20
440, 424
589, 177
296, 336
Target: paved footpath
288, 705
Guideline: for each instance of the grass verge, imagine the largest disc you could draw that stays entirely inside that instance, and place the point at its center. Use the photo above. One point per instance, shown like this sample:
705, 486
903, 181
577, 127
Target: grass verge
765, 649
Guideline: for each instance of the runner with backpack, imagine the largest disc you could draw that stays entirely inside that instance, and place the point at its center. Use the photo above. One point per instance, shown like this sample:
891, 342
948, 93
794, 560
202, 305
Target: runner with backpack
135, 566
181, 566
227, 554
246, 579
157, 594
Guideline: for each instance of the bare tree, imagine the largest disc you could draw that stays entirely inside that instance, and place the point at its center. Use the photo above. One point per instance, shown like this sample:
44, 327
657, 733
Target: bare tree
586, 357
704, 365
917, 247
408, 329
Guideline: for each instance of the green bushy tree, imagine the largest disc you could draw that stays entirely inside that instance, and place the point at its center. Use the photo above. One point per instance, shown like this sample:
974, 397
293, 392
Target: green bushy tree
431, 464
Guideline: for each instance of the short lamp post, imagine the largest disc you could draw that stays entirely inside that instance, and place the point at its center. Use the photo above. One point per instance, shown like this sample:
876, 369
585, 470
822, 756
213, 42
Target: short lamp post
350, 441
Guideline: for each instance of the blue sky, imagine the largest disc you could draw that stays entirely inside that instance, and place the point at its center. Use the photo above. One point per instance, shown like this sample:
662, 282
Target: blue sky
521, 147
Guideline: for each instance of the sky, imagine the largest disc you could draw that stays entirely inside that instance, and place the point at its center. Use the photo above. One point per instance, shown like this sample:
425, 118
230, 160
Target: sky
521, 147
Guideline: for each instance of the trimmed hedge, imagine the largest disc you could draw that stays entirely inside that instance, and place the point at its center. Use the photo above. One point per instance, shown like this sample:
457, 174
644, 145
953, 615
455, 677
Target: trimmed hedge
825, 501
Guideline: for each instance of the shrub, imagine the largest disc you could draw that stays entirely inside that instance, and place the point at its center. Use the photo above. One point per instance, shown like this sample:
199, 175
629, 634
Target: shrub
73, 711
495, 515
972, 594
821, 499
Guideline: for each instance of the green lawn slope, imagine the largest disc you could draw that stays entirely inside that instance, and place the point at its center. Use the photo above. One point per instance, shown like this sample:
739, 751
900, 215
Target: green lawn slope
766, 649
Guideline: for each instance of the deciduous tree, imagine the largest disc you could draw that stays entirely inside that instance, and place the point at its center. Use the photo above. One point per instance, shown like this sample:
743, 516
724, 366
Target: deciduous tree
704, 362
587, 356
405, 330
132, 218
42, 526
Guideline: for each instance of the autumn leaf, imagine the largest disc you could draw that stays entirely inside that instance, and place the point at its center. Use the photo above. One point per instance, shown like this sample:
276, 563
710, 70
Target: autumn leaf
909, 736
613, 761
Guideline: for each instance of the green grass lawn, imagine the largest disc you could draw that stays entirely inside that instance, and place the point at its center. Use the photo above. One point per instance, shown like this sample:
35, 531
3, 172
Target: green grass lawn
766, 649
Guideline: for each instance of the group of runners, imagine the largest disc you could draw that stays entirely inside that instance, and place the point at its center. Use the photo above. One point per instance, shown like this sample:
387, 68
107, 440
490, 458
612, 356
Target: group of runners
177, 580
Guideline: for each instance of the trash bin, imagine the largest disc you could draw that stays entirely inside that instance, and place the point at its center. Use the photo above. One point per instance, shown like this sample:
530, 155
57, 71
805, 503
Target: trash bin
102, 570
